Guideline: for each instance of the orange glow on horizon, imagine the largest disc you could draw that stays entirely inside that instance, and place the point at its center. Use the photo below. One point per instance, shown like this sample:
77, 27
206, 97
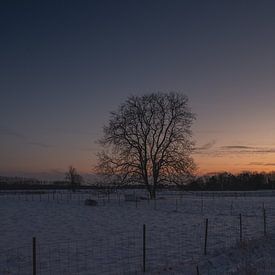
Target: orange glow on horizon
234, 164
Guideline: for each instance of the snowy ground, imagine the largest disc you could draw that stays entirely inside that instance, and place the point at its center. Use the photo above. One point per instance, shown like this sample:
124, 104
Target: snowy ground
108, 239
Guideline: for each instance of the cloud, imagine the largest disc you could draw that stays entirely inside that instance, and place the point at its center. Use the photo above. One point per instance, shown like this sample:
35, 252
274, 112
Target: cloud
207, 149
261, 163
71, 131
255, 163
234, 147
265, 150
10, 132
210, 131
41, 144
206, 146
243, 149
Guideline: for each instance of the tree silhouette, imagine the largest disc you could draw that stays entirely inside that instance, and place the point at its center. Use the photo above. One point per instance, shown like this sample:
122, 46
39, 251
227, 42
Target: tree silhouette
148, 140
74, 178
246, 180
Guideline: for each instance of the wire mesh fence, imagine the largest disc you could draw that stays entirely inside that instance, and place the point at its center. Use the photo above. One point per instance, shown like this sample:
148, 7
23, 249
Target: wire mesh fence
125, 252
119, 254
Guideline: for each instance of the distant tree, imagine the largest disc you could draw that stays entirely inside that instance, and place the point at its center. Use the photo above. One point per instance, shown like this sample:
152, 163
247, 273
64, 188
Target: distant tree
75, 180
246, 180
271, 179
148, 140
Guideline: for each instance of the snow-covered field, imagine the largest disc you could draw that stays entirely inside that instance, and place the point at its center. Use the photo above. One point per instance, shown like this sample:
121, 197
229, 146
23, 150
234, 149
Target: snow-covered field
108, 239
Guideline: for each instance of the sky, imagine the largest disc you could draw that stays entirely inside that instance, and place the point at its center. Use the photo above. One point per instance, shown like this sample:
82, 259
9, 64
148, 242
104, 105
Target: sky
64, 65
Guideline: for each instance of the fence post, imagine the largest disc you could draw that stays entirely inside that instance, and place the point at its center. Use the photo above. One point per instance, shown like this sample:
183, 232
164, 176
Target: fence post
198, 271
144, 247
241, 229
264, 222
205, 237
34, 256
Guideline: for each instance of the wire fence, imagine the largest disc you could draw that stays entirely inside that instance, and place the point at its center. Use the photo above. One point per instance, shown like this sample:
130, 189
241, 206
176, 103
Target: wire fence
149, 249
109, 256
61, 197
123, 253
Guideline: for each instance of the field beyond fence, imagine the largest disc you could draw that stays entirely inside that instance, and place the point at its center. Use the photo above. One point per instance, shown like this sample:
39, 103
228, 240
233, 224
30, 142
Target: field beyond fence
126, 237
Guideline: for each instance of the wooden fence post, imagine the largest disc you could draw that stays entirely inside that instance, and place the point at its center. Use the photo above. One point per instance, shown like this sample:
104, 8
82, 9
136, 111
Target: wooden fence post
34, 256
241, 229
198, 271
205, 237
264, 222
144, 247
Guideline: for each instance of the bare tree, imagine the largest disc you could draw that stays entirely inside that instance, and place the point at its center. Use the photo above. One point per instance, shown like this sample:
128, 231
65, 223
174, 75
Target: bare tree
148, 140
74, 178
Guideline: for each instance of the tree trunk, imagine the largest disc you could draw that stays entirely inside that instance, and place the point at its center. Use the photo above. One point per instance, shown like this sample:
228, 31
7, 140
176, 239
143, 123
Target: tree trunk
152, 192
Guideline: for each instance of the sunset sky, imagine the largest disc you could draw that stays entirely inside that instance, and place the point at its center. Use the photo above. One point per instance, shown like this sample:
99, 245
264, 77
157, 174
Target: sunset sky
66, 64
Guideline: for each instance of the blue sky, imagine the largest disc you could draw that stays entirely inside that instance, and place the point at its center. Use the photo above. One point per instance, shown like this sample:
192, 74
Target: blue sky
66, 64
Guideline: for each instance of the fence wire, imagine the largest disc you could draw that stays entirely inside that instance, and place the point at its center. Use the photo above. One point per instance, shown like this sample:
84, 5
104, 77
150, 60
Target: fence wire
122, 252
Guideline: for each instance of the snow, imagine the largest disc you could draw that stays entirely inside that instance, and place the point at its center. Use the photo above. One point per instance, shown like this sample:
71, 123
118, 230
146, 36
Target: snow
73, 238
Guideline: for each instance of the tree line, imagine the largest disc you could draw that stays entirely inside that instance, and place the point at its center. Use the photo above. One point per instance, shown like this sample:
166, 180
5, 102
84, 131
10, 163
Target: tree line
244, 181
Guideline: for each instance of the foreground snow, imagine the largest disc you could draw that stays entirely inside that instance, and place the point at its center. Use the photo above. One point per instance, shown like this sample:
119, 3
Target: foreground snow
251, 257
76, 239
